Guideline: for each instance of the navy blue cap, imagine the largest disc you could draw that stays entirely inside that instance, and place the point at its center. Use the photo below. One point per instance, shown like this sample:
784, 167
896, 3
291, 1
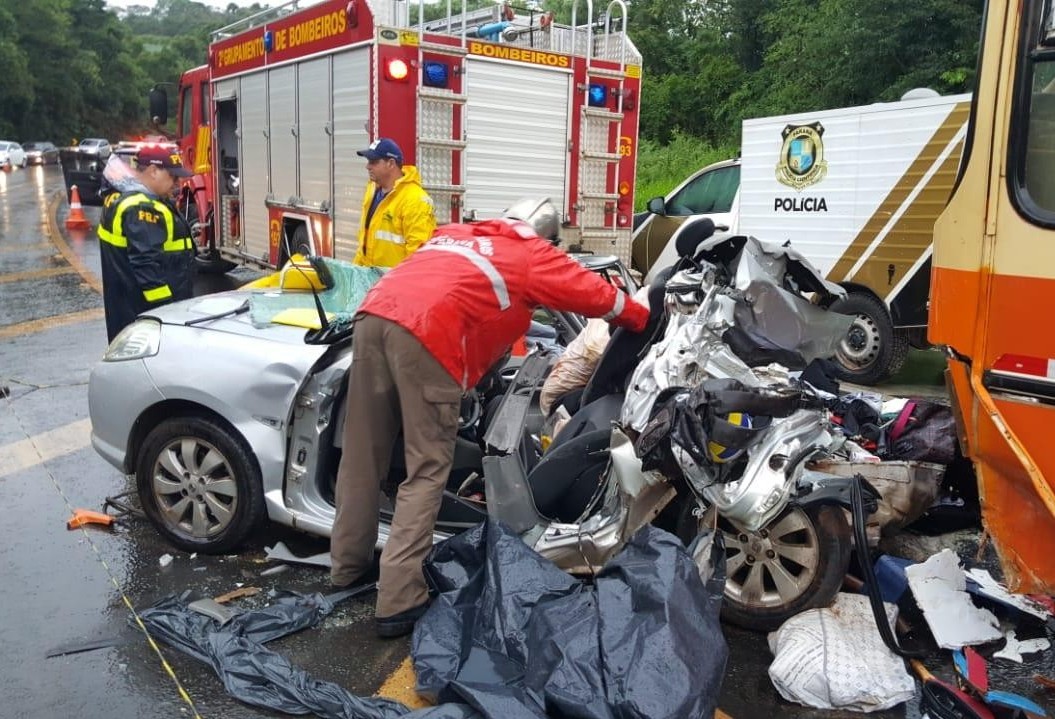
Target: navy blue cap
382, 148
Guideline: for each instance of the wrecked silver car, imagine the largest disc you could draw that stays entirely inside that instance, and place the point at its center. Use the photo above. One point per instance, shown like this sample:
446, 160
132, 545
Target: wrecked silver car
702, 409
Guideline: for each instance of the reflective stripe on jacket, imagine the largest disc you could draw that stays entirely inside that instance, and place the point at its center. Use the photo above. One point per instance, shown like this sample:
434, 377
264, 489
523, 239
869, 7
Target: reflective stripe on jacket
470, 291
403, 220
147, 256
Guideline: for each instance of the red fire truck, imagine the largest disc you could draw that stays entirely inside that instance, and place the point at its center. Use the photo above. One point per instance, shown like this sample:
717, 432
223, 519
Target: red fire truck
490, 105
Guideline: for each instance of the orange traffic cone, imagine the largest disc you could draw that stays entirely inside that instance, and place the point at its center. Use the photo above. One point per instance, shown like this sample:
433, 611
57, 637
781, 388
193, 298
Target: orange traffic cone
76, 219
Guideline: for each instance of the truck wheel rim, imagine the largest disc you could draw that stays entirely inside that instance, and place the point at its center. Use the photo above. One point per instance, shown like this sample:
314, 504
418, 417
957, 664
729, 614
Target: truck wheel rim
194, 487
861, 345
773, 567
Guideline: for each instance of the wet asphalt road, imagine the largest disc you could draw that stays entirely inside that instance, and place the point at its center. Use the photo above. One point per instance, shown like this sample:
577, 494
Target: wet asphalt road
65, 588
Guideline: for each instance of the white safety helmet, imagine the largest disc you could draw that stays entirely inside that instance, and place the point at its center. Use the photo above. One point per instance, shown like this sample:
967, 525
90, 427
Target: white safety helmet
540, 213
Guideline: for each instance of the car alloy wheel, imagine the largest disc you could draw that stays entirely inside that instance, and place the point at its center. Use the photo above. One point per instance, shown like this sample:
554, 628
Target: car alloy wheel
796, 562
199, 484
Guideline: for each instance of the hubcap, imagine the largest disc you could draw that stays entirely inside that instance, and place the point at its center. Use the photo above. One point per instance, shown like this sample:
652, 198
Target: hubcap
194, 487
861, 345
772, 567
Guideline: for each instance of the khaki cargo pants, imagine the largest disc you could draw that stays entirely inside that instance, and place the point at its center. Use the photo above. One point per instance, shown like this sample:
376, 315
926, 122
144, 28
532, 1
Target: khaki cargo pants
394, 382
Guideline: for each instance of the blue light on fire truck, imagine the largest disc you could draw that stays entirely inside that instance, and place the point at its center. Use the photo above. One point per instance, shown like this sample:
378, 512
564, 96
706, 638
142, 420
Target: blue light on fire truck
269, 41
435, 74
397, 69
598, 95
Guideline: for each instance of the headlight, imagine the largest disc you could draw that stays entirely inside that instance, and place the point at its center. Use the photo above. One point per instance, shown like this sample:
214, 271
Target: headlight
136, 341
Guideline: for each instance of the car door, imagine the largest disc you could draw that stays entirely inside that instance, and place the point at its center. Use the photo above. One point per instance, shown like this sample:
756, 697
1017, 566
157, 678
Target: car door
712, 192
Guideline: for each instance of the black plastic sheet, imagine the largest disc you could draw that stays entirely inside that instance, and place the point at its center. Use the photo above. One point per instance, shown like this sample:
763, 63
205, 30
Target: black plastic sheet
509, 636
514, 636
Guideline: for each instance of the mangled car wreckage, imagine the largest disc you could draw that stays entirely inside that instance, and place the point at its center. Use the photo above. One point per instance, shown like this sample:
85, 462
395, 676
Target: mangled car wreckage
702, 417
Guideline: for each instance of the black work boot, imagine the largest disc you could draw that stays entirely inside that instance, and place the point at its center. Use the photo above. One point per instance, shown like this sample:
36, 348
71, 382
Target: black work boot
401, 624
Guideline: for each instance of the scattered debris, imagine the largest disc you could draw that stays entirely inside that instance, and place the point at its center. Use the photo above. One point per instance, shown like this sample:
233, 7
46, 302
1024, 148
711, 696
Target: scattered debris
939, 585
83, 646
165, 559
82, 517
280, 553
277, 569
835, 658
213, 609
974, 675
1015, 648
237, 594
980, 583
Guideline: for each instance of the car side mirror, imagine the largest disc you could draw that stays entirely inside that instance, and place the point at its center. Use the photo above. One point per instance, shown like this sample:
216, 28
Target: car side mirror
159, 106
657, 206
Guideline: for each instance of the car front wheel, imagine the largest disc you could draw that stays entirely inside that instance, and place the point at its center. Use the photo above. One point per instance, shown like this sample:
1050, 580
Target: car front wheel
199, 485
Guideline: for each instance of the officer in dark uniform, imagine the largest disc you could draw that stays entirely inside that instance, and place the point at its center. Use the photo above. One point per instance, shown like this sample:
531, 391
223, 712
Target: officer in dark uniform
146, 248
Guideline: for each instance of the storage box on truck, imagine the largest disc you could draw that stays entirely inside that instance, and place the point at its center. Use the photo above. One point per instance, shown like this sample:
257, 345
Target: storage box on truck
489, 105
857, 191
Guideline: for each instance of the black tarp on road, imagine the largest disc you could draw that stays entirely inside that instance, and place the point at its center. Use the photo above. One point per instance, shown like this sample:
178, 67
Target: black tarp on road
508, 636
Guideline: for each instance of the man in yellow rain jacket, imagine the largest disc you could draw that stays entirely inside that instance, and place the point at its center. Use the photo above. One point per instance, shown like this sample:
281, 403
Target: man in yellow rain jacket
397, 212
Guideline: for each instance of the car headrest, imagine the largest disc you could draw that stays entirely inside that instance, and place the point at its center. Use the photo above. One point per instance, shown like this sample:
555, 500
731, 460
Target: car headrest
692, 234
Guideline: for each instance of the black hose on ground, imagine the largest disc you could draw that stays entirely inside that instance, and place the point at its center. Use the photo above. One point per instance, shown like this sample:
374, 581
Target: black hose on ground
868, 574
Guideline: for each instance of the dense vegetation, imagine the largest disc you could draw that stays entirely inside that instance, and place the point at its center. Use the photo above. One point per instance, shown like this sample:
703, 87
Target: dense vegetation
75, 68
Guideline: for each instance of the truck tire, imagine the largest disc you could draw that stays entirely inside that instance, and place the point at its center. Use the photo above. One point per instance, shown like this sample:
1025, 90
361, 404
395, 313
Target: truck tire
199, 485
210, 262
207, 261
871, 350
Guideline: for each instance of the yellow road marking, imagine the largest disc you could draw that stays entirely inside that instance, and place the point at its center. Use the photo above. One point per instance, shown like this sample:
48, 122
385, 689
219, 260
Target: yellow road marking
48, 445
46, 323
399, 686
56, 236
36, 274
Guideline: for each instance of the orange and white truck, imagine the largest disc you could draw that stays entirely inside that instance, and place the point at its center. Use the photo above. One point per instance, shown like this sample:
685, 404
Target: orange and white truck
490, 106
993, 289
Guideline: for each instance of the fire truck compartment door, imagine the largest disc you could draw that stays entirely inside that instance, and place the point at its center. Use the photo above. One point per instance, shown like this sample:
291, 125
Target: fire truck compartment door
282, 91
253, 161
517, 123
313, 99
351, 113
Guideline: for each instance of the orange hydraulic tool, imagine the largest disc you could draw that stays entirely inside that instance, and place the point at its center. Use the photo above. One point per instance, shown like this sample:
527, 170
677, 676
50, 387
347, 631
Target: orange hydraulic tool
76, 219
82, 517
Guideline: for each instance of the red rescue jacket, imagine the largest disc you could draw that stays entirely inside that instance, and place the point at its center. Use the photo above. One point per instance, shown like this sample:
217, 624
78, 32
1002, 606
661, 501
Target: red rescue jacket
469, 292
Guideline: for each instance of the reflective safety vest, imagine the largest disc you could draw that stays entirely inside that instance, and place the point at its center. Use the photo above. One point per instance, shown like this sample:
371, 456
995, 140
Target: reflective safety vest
147, 256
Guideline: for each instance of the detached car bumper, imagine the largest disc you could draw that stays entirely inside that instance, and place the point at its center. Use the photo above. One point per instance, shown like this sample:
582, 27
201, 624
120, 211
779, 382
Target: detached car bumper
117, 393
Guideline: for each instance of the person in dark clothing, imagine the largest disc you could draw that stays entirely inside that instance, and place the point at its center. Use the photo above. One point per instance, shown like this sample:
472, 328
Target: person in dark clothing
146, 248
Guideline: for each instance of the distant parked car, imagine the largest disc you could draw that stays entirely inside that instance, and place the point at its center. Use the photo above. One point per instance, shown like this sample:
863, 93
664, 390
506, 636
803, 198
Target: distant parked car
95, 146
41, 153
11, 155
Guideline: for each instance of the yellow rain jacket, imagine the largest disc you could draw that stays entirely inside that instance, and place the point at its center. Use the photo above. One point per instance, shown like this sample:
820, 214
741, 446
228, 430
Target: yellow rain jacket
401, 223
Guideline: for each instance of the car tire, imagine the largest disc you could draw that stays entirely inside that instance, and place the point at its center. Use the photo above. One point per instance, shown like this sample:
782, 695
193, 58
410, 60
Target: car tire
300, 243
199, 485
211, 262
811, 545
871, 350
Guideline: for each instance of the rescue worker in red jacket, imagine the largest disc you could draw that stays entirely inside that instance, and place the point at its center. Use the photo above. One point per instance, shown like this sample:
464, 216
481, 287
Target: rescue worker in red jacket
145, 246
425, 333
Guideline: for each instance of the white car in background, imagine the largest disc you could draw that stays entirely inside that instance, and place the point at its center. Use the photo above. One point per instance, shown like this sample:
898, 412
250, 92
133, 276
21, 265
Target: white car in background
11, 155
95, 146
